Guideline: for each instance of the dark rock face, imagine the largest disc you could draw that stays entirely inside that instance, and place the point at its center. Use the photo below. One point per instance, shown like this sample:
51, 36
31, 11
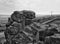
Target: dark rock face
19, 15
14, 28
52, 40
29, 14
28, 22
15, 33
49, 32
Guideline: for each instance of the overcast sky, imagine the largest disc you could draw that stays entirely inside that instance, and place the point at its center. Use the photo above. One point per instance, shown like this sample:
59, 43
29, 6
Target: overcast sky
39, 6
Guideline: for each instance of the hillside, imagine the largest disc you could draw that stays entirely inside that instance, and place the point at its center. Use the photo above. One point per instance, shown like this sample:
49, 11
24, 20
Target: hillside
3, 18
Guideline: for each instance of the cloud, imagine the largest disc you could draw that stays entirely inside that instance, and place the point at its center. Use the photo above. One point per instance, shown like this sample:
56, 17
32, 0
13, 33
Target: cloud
6, 6
39, 6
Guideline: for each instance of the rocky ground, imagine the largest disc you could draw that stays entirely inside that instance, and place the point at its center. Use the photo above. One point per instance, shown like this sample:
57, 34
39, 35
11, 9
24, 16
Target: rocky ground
44, 30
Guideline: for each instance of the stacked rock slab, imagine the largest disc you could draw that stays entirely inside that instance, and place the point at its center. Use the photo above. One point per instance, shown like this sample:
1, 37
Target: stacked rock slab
15, 26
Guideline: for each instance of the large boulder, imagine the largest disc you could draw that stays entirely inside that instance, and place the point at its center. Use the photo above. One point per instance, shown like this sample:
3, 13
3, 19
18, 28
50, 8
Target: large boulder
29, 14
47, 32
24, 15
15, 33
19, 15
52, 40
15, 24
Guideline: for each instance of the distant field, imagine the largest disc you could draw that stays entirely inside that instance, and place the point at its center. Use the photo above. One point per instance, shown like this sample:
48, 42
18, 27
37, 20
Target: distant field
3, 18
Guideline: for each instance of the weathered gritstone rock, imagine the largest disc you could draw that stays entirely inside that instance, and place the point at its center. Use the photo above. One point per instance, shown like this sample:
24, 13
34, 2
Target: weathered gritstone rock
52, 40
15, 33
17, 16
20, 15
29, 14
41, 29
